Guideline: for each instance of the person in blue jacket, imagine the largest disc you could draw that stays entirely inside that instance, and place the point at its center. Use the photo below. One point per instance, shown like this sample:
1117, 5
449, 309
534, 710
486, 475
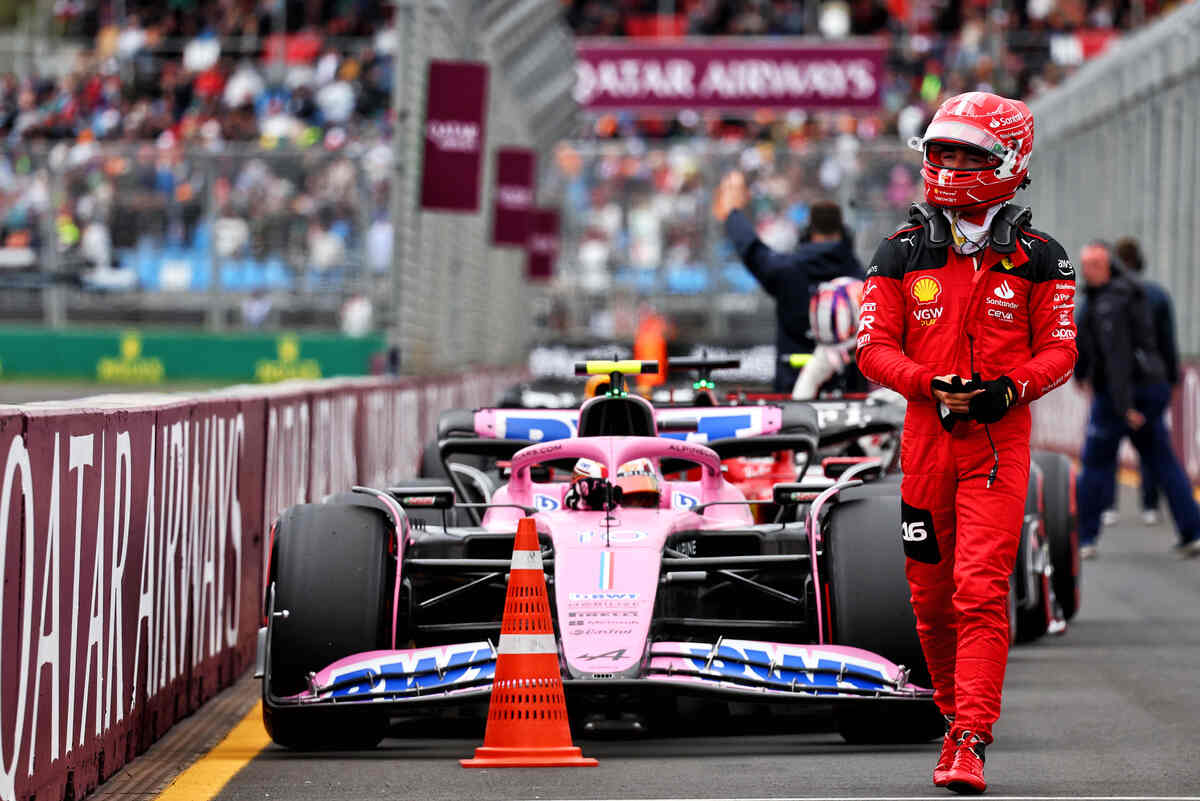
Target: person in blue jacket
1119, 361
1162, 314
826, 251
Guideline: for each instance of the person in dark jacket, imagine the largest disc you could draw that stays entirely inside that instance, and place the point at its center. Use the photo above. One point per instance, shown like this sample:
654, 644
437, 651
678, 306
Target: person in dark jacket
1119, 360
1162, 314
825, 252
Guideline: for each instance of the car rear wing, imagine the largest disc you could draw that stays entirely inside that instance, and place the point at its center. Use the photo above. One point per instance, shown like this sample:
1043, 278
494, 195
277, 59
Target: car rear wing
765, 445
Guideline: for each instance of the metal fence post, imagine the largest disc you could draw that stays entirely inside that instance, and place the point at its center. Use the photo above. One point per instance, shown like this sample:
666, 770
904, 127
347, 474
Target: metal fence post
407, 319
53, 295
215, 314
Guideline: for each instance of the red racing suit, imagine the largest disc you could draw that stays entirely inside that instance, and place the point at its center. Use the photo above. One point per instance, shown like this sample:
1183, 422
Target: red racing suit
928, 311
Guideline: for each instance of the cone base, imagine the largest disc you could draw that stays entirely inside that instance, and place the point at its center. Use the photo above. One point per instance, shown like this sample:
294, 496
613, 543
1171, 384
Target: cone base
560, 757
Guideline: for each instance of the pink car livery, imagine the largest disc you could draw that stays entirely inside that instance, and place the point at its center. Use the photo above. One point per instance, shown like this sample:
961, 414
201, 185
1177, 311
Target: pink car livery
374, 607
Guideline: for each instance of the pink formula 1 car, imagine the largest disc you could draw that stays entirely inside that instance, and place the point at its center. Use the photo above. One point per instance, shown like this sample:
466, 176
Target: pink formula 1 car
380, 602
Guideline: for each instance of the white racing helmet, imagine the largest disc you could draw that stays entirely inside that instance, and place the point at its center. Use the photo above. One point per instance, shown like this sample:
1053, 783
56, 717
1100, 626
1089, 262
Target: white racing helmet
639, 484
833, 310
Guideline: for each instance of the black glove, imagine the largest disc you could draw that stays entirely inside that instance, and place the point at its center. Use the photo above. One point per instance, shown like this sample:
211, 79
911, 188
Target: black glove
945, 416
993, 403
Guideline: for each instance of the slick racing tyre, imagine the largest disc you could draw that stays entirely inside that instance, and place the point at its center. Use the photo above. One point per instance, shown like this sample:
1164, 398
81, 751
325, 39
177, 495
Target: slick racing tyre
1058, 494
1035, 609
330, 571
869, 593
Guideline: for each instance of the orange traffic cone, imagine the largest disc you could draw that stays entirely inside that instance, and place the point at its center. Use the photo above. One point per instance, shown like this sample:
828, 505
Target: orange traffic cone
527, 718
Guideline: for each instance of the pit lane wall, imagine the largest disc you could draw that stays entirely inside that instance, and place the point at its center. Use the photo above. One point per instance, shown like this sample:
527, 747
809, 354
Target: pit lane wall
132, 534
1060, 421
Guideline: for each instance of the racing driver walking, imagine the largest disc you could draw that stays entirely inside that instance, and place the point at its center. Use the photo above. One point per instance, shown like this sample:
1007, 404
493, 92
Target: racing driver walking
968, 312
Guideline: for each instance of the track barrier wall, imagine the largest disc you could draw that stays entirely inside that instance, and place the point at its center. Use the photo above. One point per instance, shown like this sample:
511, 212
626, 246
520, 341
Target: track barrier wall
1115, 156
132, 532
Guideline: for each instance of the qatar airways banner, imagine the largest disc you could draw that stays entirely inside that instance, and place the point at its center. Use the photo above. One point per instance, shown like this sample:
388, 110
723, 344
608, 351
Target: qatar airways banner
512, 209
703, 75
542, 251
455, 113
133, 535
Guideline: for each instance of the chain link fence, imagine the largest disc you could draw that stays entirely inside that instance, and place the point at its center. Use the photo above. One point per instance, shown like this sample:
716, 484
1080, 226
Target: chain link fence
301, 206
1116, 156
236, 237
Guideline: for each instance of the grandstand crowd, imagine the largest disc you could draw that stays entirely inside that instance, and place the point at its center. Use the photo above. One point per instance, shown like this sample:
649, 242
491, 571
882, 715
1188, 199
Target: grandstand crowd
637, 195
936, 49
170, 129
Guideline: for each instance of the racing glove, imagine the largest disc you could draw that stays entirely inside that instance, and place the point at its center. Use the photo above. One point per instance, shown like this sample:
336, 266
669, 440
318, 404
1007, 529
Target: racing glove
946, 417
993, 403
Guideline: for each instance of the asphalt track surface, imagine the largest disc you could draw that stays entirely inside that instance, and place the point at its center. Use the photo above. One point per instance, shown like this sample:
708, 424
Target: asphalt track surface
1110, 709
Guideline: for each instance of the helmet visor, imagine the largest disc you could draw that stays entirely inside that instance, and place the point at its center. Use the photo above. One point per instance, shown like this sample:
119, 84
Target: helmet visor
962, 133
639, 491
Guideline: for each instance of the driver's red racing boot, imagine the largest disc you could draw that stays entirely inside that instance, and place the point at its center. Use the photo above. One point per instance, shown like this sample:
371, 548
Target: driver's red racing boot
966, 774
941, 771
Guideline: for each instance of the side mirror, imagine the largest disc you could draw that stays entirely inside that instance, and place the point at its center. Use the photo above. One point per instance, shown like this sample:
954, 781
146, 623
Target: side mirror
679, 424
423, 497
836, 466
789, 494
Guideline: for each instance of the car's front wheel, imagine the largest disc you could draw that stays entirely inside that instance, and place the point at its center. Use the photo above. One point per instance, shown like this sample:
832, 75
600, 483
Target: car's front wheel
330, 574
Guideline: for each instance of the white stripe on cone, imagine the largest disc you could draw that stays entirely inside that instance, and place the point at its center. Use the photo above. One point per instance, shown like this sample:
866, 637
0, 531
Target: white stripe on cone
527, 644
527, 560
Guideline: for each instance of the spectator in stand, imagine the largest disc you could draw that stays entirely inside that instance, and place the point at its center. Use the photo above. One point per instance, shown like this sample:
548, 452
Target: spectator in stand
825, 252
937, 50
1119, 361
1162, 314
170, 60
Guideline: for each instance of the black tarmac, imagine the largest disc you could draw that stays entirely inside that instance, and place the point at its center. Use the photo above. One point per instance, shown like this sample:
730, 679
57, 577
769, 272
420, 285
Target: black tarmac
1110, 709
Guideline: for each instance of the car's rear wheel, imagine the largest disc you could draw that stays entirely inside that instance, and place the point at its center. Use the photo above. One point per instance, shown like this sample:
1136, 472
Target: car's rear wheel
330, 573
869, 593
1035, 609
1058, 489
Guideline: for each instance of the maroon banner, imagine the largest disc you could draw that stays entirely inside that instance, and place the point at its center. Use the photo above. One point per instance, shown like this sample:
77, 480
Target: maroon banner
1184, 419
391, 438
543, 246
285, 468
455, 123
132, 547
513, 205
334, 463
73, 643
701, 74
18, 541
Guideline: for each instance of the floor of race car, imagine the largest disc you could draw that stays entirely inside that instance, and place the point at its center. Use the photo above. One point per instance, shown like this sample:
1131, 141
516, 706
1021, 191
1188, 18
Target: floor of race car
1108, 710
